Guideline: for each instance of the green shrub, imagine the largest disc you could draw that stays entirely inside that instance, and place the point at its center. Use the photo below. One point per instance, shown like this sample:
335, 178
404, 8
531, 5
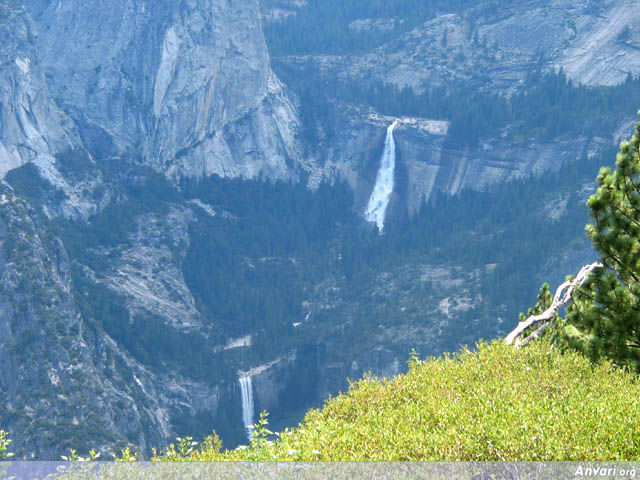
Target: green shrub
4, 445
499, 403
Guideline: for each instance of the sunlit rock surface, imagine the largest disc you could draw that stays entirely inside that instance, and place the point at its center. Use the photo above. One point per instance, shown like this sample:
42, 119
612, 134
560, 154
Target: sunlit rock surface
183, 86
31, 125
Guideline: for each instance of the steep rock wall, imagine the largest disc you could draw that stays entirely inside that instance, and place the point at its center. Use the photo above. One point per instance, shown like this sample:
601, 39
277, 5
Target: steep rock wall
430, 161
31, 125
62, 377
183, 86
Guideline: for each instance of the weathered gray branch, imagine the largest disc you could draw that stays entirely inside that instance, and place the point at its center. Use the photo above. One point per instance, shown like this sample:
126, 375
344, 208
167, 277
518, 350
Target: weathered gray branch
537, 333
562, 296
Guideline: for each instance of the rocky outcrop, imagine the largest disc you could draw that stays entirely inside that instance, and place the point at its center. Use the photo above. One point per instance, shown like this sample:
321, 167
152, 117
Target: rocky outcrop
277, 10
428, 161
31, 125
594, 42
83, 384
147, 272
606, 47
183, 86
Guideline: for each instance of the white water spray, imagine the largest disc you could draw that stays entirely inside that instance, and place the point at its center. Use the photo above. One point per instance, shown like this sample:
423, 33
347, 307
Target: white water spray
379, 201
246, 390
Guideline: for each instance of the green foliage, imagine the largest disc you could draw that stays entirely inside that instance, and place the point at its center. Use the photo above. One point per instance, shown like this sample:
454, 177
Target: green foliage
126, 455
185, 449
180, 451
604, 318
545, 297
259, 439
4, 445
499, 403
27, 179
75, 164
74, 457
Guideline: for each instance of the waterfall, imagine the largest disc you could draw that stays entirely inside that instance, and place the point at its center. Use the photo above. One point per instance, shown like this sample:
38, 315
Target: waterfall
246, 390
379, 201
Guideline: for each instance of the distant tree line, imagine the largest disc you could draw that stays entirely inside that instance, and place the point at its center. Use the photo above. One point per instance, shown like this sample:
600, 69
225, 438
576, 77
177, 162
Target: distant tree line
547, 106
322, 26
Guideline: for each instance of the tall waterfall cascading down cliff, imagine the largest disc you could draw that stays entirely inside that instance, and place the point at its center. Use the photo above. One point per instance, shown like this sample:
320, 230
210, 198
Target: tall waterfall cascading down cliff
246, 390
379, 200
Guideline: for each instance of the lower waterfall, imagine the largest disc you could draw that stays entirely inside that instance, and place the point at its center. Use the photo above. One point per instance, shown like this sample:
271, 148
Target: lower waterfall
246, 390
379, 200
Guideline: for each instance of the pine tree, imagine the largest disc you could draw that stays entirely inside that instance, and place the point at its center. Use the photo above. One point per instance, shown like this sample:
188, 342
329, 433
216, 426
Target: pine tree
544, 301
604, 320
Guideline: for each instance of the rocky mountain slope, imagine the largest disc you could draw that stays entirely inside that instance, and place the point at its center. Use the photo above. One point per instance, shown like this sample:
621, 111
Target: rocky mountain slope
186, 87
493, 43
33, 126
62, 378
490, 46
138, 279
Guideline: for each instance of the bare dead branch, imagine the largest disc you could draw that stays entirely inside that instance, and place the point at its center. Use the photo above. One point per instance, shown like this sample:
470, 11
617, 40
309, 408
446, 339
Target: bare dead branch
562, 296
537, 333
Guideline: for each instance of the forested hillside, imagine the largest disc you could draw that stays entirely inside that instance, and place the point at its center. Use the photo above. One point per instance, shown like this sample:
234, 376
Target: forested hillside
183, 238
266, 258
327, 27
498, 401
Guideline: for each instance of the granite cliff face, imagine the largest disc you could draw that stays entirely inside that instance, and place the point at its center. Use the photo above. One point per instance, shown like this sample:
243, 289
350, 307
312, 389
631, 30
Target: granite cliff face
490, 46
428, 161
32, 125
183, 86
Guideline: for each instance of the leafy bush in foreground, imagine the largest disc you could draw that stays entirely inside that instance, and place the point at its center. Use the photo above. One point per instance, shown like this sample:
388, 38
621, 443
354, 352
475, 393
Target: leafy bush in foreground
499, 403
